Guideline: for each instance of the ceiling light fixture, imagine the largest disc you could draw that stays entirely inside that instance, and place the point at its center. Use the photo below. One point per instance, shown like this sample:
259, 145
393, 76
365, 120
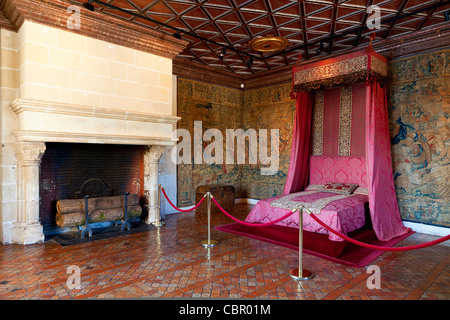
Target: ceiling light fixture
177, 35
320, 48
223, 53
88, 5
250, 62
268, 44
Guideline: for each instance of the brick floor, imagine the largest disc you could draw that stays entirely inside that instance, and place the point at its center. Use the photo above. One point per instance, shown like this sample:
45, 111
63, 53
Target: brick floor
170, 262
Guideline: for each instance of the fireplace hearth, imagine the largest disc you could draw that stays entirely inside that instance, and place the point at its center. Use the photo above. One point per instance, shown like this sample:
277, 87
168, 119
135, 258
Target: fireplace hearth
73, 170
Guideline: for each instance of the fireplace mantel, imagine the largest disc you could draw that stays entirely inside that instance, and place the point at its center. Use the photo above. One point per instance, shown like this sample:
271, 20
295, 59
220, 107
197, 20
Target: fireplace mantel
43, 121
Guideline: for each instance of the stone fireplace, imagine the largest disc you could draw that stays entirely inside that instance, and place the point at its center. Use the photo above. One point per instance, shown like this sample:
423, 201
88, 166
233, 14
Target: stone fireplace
73, 170
61, 87
78, 124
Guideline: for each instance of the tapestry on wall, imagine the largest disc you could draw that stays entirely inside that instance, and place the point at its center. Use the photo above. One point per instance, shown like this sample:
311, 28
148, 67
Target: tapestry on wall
263, 108
224, 108
420, 136
215, 107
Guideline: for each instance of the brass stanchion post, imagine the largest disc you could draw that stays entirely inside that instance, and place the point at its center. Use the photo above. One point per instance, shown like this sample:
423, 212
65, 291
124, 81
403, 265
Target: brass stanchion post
209, 243
158, 222
300, 273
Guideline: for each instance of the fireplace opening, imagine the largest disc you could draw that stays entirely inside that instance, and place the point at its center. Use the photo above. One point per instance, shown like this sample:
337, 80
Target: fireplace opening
72, 170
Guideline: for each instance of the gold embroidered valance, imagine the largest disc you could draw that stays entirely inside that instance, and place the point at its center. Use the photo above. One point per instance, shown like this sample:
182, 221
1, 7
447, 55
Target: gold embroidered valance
343, 70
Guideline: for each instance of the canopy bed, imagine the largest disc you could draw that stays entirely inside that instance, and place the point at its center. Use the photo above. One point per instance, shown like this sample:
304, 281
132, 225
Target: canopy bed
340, 164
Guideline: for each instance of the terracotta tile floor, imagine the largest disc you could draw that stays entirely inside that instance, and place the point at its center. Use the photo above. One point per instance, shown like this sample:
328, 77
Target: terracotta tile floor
170, 262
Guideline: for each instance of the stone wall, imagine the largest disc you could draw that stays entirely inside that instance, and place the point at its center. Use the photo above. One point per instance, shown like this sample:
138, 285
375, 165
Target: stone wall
8, 173
61, 66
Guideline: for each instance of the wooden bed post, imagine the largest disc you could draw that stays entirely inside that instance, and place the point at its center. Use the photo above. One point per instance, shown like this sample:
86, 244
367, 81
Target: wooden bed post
300, 273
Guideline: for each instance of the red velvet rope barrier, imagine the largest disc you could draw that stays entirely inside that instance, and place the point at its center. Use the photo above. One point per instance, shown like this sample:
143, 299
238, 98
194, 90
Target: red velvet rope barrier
251, 224
362, 244
370, 246
195, 207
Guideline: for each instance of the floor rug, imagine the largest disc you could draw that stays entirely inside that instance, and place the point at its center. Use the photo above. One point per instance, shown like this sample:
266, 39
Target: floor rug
318, 245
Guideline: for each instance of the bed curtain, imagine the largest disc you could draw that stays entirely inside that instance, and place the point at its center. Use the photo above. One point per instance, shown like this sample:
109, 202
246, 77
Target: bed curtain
383, 205
371, 68
298, 173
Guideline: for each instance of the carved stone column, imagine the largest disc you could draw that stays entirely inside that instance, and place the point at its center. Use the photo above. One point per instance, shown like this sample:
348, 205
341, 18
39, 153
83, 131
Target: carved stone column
151, 159
27, 229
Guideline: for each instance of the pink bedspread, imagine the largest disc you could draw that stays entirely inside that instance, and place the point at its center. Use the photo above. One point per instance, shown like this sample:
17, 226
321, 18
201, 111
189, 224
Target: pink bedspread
344, 215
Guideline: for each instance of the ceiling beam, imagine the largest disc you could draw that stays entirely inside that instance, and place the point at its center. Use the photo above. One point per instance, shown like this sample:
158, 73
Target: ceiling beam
244, 24
169, 26
333, 25
429, 14
364, 27
363, 23
211, 19
274, 25
303, 22
394, 21
347, 34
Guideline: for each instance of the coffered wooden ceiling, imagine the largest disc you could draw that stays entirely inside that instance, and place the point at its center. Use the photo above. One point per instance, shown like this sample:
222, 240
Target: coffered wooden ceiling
338, 24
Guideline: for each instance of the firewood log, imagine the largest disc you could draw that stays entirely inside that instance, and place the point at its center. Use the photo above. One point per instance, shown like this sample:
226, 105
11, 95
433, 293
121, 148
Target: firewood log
73, 219
116, 202
79, 205
74, 205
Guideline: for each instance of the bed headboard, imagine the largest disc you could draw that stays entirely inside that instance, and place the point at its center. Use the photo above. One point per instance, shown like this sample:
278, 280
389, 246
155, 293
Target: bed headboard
345, 169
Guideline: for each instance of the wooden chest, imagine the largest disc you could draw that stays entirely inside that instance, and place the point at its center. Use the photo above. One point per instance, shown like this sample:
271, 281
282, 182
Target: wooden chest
223, 193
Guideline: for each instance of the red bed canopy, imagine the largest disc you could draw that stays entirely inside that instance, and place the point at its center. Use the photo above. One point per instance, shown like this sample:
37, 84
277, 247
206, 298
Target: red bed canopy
366, 67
